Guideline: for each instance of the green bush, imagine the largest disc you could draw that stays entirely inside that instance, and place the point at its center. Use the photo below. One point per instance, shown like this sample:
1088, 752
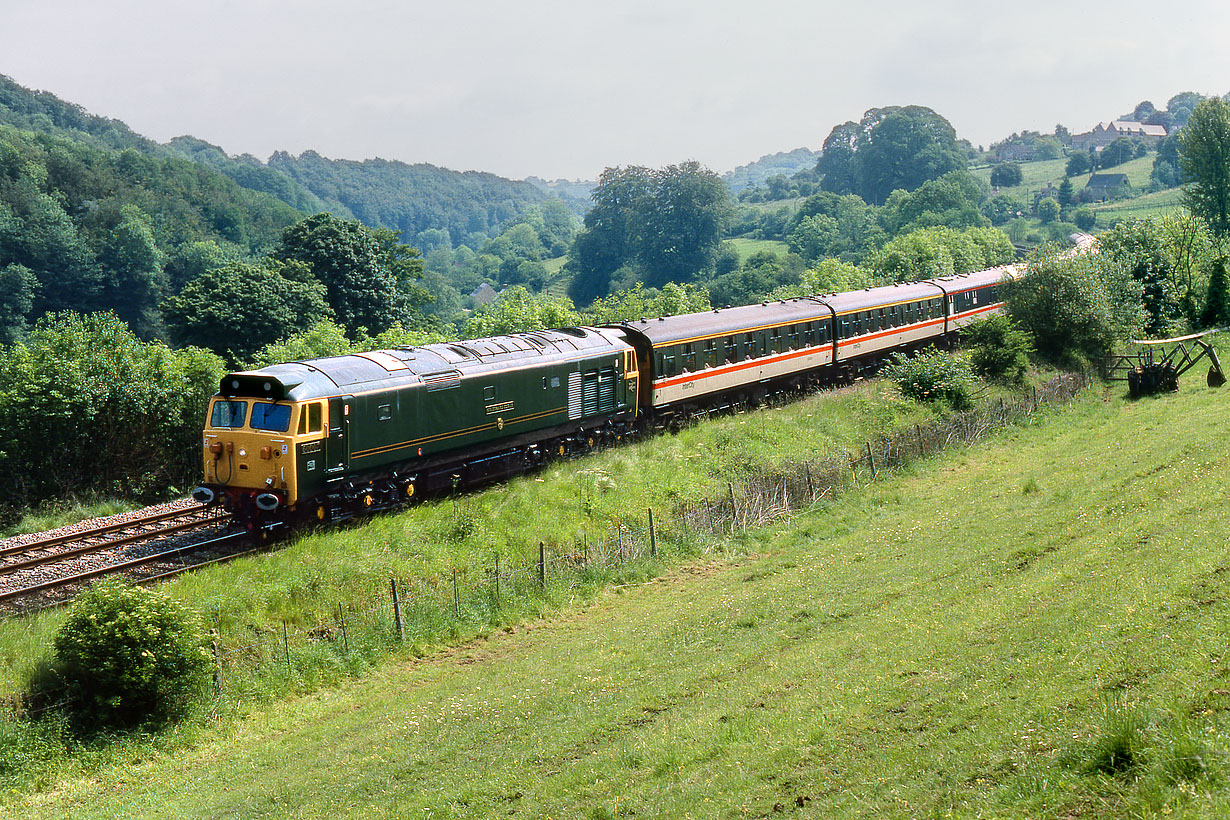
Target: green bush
128, 657
999, 349
1077, 307
932, 375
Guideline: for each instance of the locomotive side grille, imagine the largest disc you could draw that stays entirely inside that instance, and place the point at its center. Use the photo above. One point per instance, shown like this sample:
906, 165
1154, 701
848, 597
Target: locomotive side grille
590, 399
574, 396
606, 390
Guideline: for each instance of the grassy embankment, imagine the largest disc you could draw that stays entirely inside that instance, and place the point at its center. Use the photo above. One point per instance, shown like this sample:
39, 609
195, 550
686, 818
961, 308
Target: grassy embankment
1032, 628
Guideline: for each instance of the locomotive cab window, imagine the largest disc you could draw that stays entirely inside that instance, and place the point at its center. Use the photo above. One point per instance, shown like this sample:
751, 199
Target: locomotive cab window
489, 393
384, 412
272, 417
310, 419
228, 413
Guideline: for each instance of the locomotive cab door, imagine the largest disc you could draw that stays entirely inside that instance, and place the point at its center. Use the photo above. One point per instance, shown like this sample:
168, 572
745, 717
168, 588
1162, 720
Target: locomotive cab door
337, 446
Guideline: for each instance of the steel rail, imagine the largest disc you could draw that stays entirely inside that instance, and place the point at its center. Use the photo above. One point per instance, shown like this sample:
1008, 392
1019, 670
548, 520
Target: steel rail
110, 569
99, 546
95, 532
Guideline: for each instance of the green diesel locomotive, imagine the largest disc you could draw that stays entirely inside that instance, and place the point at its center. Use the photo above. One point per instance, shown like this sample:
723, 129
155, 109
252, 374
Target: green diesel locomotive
325, 438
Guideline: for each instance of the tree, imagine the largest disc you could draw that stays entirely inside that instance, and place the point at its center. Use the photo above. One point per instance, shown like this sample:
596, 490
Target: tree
1084, 217
999, 349
86, 406
659, 226
1204, 158
1048, 210
1078, 164
1217, 304
690, 206
903, 147
18, 285
1066, 195
951, 200
1001, 208
239, 308
353, 263
611, 231
1075, 307
1006, 175
1117, 153
135, 283
836, 167
517, 310
1141, 247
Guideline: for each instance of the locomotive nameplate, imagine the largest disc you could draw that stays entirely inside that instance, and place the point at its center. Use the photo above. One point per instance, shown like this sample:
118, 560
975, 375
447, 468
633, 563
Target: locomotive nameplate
502, 407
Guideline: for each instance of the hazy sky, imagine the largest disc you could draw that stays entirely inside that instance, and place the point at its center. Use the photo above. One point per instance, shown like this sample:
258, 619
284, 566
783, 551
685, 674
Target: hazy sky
564, 88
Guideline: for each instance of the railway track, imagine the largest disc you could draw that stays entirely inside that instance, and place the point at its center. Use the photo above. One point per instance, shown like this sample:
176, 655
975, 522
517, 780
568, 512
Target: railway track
48, 569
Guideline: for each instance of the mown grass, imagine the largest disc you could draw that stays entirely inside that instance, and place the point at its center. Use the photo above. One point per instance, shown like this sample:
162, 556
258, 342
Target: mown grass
1034, 628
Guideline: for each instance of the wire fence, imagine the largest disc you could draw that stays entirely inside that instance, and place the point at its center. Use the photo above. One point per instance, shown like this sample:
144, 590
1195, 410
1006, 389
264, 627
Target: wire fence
422, 610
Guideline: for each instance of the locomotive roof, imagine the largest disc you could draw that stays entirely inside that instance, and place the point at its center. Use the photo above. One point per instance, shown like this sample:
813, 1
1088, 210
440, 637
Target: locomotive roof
423, 364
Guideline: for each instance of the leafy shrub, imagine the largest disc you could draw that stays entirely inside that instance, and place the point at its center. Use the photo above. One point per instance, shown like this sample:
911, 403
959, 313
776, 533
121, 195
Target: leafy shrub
999, 349
1077, 307
128, 657
932, 375
1084, 218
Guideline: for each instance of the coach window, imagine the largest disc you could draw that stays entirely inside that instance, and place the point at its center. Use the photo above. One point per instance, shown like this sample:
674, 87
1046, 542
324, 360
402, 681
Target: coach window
689, 357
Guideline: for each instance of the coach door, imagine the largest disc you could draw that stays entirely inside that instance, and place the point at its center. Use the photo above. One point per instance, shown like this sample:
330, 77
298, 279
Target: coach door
337, 448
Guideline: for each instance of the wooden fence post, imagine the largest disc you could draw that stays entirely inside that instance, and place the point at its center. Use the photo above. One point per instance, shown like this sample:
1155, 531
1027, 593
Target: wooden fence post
872, 461
653, 536
213, 635
401, 626
456, 596
542, 564
286, 647
811, 489
341, 619
497, 579
734, 510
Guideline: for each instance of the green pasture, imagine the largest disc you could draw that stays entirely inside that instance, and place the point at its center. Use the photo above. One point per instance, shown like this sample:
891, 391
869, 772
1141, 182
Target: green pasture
748, 247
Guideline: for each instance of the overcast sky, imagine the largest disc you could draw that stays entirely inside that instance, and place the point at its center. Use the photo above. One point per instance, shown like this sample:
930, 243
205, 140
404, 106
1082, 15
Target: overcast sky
564, 88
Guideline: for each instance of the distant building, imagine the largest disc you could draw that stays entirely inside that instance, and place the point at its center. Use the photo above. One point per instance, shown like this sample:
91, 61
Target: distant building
1015, 152
1104, 134
1049, 191
1100, 185
484, 295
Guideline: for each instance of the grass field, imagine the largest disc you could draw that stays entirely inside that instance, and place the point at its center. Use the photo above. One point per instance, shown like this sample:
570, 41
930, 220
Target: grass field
747, 247
1031, 628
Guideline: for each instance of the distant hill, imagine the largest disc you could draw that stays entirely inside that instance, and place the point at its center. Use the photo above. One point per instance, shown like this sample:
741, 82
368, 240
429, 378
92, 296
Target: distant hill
45, 113
785, 163
472, 206
251, 173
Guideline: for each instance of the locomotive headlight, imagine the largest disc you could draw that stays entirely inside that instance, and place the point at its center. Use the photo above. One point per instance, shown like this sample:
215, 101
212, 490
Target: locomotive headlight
242, 452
